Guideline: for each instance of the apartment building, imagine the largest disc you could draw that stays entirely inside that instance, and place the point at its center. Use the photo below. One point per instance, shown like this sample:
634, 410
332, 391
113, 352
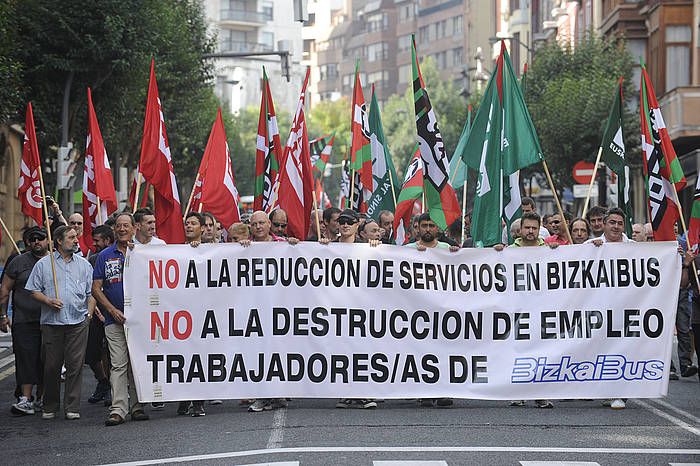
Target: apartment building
378, 34
252, 27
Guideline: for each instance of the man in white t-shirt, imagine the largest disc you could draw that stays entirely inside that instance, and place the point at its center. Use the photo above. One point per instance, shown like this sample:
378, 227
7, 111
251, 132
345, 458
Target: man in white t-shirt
146, 227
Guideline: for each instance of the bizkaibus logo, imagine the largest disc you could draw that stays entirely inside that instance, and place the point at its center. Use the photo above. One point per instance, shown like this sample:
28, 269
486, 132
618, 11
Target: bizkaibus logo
606, 367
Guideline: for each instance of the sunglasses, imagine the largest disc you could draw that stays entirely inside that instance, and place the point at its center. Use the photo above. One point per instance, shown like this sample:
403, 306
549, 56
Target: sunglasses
280, 225
346, 221
34, 238
76, 223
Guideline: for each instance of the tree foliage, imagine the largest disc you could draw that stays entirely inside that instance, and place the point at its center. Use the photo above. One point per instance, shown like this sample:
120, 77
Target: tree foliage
108, 45
569, 93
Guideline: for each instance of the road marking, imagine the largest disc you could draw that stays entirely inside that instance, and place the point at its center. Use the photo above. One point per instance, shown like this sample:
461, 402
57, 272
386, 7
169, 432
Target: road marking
8, 360
409, 463
279, 463
277, 435
676, 410
7, 372
281, 451
679, 422
559, 463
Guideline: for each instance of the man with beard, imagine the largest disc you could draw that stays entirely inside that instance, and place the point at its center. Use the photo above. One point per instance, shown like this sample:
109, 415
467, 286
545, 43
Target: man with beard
427, 238
65, 320
146, 227
26, 330
330, 219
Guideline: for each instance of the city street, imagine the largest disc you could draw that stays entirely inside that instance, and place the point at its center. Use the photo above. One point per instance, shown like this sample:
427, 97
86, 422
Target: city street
314, 432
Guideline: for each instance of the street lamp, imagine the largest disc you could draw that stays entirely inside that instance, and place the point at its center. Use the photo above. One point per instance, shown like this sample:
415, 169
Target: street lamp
507, 36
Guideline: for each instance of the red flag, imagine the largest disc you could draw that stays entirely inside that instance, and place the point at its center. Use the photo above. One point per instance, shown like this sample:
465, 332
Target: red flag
97, 179
662, 168
411, 191
296, 181
268, 154
157, 168
29, 190
218, 193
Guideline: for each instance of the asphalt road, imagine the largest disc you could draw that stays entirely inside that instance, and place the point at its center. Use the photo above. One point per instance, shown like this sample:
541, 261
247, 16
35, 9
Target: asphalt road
313, 432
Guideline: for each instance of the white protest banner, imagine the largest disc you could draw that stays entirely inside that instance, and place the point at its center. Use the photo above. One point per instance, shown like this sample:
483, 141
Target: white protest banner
337, 321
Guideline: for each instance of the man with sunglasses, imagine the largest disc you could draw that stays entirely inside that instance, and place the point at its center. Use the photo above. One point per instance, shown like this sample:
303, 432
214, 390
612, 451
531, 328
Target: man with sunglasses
26, 331
556, 228
75, 221
278, 221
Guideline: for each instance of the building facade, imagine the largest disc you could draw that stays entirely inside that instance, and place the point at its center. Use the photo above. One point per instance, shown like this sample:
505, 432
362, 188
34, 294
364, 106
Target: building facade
251, 27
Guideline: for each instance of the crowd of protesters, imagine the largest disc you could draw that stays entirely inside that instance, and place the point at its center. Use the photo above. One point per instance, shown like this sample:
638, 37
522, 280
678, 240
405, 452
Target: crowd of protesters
61, 324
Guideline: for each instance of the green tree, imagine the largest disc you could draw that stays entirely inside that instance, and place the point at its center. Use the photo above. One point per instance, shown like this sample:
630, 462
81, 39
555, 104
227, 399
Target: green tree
107, 45
569, 94
10, 68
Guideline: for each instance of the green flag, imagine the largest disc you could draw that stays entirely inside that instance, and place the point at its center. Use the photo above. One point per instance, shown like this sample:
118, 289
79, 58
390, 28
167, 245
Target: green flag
458, 169
383, 171
502, 140
613, 154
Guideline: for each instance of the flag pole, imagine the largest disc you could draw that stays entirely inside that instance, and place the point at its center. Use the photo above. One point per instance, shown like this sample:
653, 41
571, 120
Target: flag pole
393, 192
9, 235
352, 189
189, 201
590, 186
136, 192
99, 212
48, 231
464, 209
318, 222
685, 231
556, 199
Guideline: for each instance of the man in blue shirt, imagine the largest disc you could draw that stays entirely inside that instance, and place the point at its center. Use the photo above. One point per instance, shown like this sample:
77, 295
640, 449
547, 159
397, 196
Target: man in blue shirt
64, 321
108, 290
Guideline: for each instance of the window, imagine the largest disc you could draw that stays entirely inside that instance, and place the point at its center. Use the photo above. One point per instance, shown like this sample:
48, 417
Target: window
423, 35
404, 43
308, 47
377, 22
440, 29
678, 40
458, 56
457, 25
268, 39
405, 72
379, 51
311, 21
268, 11
377, 77
407, 12
329, 71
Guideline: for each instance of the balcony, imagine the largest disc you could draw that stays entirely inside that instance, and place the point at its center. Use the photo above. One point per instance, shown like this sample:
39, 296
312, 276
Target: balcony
681, 110
243, 17
243, 47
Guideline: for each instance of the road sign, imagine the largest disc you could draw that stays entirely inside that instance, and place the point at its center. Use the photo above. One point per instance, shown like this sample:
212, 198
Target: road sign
583, 171
581, 190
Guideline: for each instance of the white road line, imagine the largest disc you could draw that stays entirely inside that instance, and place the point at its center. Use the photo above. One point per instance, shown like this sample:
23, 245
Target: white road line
679, 422
409, 463
407, 449
277, 435
8, 360
683, 464
559, 463
676, 410
279, 463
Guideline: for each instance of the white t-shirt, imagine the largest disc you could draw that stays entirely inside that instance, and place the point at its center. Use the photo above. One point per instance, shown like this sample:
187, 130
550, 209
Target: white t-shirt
154, 241
602, 238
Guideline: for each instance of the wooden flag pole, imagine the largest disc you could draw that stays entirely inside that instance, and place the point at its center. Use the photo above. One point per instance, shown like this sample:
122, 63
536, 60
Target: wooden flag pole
685, 231
189, 201
9, 235
99, 212
393, 192
352, 189
590, 186
464, 210
556, 199
136, 193
318, 222
48, 231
